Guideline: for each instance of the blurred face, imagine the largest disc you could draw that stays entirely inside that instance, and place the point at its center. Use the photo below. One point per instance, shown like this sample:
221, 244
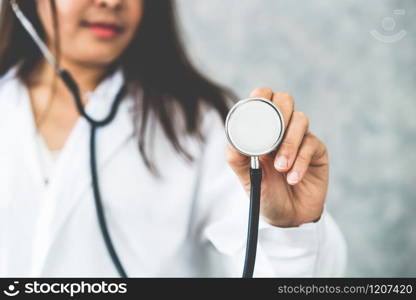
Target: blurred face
92, 32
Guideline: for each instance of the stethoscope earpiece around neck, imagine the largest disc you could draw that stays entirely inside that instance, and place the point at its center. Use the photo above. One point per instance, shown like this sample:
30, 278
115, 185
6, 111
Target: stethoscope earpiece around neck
94, 124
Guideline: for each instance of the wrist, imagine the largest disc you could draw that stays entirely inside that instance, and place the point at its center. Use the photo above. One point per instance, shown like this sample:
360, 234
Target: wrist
292, 221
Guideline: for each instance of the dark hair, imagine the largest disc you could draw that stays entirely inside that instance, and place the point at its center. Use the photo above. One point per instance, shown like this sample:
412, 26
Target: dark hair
155, 60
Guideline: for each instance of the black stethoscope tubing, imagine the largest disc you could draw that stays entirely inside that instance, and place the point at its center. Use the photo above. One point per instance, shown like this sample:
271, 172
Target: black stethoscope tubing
95, 124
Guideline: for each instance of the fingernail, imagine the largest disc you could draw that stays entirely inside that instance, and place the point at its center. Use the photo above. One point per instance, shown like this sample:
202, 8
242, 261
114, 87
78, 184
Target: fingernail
281, 163
293, 177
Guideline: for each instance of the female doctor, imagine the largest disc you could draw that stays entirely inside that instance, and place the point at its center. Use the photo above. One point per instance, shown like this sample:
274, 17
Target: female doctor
174, 193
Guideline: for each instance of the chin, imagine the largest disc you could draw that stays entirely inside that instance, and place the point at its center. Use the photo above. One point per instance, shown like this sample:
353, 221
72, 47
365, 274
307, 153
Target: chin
97, 60
105, 61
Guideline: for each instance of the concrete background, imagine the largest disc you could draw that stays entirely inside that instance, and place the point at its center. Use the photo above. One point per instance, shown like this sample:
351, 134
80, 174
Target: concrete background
351, 67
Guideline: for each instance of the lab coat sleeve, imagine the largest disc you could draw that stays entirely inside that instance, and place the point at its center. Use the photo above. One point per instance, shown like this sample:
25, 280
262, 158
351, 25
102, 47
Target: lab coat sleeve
221, 217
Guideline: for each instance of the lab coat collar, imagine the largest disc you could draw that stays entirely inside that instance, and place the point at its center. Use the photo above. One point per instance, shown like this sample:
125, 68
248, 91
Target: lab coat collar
72, 176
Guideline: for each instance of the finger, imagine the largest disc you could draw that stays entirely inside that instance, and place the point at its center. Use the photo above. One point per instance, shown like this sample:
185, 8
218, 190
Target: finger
309, 147
263, 92
286, 155
286, 104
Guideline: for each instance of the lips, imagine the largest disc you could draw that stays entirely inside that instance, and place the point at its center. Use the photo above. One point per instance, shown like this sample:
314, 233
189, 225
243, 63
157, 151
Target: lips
104, 29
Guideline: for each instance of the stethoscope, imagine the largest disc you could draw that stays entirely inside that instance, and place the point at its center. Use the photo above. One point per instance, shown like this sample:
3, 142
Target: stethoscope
254, 127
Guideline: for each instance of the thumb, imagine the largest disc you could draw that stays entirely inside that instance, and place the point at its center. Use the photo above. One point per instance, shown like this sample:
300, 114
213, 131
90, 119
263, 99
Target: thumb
240, 164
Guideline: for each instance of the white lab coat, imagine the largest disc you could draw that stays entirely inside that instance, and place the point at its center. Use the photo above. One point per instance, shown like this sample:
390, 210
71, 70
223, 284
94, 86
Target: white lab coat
192, 222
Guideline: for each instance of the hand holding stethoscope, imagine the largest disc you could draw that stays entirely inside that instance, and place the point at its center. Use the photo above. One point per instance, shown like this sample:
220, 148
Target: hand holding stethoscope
286, 199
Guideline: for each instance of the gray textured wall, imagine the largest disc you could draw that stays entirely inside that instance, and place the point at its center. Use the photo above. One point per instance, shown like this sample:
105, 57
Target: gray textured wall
358, 90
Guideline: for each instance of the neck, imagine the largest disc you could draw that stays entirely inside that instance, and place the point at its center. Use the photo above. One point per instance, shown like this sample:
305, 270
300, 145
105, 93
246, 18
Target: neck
86, 76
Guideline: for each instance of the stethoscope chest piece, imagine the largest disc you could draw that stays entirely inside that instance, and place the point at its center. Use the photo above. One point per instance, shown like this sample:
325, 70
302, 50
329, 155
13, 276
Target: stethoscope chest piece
254, 126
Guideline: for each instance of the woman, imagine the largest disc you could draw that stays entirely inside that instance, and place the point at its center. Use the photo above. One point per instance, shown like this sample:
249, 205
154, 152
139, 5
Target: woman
175, 194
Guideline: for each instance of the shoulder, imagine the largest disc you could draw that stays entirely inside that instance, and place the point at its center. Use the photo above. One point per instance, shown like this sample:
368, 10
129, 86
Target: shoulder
215, 139
212, 123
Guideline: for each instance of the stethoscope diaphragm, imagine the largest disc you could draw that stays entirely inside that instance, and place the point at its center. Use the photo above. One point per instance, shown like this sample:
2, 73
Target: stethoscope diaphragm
254, 126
